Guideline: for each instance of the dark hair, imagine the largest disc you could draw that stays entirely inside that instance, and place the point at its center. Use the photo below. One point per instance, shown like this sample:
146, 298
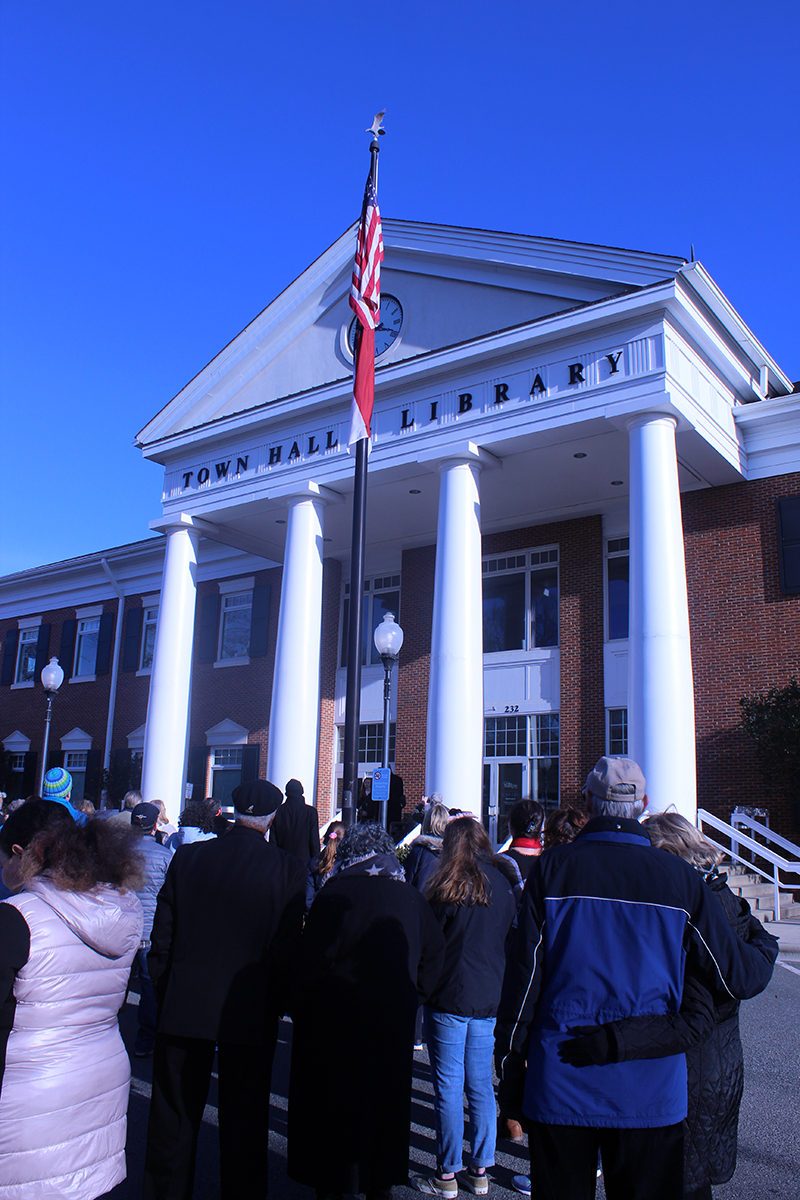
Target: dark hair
76, 858
198, 814
563, 825
459, 879
525, 819
331, 843
31, 818
363, 839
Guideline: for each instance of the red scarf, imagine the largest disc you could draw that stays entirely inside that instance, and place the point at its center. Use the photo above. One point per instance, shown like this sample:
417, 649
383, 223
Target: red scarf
527, 843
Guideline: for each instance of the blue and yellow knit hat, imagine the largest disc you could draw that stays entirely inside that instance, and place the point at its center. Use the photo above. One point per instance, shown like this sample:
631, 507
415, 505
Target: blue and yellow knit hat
57, 785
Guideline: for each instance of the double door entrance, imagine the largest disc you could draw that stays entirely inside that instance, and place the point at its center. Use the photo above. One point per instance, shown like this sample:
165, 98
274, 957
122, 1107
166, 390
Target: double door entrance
505, 781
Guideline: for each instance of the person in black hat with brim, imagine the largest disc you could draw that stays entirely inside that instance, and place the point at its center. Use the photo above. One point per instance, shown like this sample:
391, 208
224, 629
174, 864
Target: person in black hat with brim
226, 928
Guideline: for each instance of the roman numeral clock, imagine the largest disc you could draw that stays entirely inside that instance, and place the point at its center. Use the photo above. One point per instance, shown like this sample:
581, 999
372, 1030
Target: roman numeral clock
388, 330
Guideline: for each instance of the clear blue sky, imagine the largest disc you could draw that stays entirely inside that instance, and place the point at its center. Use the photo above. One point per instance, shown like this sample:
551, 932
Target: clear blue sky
167, 168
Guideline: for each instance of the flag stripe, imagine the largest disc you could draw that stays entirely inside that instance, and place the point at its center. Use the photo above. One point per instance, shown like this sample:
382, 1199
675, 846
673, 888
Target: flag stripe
365, 301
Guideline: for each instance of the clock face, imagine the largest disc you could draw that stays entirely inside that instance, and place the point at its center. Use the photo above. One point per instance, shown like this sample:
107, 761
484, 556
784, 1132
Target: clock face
387, 331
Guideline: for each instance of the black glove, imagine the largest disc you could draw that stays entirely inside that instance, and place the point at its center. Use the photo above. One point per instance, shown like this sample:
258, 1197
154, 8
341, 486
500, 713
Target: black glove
512, 1086
590, 1045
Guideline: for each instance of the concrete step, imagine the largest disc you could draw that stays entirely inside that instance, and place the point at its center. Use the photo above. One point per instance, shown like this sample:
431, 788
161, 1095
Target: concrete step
767, 915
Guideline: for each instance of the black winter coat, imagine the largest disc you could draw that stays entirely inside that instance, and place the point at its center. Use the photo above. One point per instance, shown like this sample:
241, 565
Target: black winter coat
422, 861
370, 952
295, 829
474, 954
225, 934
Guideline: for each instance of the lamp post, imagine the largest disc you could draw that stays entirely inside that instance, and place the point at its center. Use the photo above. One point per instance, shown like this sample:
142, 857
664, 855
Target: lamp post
52, 679
388, 639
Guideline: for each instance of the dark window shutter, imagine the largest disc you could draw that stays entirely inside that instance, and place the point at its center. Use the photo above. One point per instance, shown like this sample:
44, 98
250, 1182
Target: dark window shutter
66, 651
55, 758
9, 656
121, 774
259, 621
209, 618
103, 656
250, 760
91, 787
130, 641
42, 649
789, 543
29, 773
198, 759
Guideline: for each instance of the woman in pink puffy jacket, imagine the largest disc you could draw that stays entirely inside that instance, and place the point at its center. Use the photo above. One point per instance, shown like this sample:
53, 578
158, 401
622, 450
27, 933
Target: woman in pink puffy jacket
67, 939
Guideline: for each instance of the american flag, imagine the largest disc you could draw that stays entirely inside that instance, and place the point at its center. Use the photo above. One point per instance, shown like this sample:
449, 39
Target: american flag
365, 301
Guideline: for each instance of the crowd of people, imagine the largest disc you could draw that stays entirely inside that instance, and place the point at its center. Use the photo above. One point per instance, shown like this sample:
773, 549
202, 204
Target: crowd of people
580, 989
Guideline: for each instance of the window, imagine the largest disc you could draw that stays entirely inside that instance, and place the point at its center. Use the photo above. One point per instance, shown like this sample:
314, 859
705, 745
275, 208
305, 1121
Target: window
26, 656
789, 543
520, 601
535, 738
618, 731
16, 762
234, 634
370, 743
86, 648
617, 574
149, 626
75, 763
381, 595
226, 773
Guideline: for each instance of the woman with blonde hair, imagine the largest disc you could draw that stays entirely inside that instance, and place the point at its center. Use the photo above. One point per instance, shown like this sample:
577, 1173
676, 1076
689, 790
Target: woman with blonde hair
471, 896
423, 857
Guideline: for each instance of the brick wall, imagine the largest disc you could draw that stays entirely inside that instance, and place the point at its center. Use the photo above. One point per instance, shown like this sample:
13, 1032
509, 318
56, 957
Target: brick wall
745, 633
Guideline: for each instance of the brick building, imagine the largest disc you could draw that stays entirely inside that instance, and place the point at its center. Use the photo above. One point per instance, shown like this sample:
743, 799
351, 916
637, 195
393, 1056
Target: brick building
584, 506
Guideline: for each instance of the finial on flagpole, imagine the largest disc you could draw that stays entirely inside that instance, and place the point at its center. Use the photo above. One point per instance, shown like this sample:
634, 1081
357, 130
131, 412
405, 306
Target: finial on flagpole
375, 128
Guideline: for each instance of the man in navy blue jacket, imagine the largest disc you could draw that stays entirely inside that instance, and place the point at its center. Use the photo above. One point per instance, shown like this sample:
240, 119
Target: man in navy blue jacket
605, 927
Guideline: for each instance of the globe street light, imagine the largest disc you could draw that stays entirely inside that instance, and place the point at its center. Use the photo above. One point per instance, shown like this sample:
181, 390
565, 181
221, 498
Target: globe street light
52, 678
388, 638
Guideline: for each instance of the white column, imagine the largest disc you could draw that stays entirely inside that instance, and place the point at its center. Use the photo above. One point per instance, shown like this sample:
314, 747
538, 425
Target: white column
661, 735
294, 713
454, 750
167, 728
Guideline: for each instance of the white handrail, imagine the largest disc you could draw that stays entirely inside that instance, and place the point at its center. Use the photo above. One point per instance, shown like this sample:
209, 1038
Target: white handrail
779, 863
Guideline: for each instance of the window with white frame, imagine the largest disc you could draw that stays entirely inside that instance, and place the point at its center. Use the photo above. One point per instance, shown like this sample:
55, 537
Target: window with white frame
618, 731
370, 743
617, 587
381, 595
75, 763
226, 773
86, 646
149, 626
535, 738
26, 656
234, 629
520, 601
16, 762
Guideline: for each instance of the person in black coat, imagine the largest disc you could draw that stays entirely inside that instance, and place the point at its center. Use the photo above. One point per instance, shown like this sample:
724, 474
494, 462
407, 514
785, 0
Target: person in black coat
226, 929
370, 951
423, 855
295, 827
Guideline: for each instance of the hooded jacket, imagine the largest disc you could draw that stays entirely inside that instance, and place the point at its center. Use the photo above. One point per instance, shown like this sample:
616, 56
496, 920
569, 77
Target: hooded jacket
65, 1086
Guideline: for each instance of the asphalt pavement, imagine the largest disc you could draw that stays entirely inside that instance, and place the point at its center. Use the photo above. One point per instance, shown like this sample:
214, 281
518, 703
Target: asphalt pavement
769, 1127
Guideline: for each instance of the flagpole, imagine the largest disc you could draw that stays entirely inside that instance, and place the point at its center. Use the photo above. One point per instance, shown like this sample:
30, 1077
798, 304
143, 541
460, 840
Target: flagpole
355, 628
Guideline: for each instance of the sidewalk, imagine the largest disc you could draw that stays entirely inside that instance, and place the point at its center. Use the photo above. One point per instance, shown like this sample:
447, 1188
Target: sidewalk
788, 934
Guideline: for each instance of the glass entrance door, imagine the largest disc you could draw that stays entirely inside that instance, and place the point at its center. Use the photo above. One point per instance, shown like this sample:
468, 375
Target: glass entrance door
504, 783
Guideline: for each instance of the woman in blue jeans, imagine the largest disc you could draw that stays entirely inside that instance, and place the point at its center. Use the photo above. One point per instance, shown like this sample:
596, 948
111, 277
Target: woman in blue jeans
472, 899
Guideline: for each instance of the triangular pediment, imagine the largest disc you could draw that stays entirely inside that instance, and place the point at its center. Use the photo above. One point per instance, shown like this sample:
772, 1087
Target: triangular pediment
450, 285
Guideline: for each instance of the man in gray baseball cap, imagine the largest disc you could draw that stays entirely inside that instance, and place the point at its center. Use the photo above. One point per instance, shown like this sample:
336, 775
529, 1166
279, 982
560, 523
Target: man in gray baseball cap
605, 928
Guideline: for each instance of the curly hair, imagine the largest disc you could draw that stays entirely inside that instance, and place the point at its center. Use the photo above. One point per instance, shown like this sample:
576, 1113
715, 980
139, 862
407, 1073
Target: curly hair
29, 819
459, 879
363, 839
198, 814
563, 825
76, 858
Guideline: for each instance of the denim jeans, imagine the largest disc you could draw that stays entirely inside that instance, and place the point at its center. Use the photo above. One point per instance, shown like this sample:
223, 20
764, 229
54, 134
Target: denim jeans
460, 1051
